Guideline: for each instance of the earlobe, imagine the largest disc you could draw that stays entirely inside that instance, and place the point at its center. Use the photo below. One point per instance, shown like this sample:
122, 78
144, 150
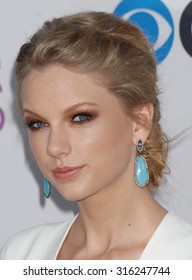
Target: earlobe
143, 122
145, 115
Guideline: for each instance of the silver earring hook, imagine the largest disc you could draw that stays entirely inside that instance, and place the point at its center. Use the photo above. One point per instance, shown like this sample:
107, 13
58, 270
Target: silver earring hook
140, 146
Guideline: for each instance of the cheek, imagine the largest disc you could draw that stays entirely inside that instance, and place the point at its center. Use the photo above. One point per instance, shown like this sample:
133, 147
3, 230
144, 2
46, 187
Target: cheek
105, 144
116, 146
109, 155
37, 146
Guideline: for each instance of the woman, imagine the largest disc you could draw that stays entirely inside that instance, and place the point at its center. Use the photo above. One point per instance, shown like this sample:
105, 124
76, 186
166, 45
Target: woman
88, 94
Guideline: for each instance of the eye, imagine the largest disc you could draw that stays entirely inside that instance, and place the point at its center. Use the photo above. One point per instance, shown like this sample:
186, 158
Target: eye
35, 125
81, 117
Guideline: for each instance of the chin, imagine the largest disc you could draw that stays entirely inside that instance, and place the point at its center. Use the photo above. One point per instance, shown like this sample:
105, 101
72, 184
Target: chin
74, 195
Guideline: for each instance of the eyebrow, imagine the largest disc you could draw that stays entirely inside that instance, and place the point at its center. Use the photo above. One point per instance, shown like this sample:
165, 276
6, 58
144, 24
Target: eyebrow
66, 111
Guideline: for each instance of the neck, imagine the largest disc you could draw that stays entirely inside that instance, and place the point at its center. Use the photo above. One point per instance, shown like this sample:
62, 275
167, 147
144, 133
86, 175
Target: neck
118, 215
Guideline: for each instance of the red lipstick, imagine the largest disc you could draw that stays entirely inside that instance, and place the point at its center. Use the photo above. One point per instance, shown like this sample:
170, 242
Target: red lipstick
66, 172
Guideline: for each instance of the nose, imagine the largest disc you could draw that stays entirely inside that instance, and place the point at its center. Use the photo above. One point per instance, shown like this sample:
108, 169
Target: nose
58, 143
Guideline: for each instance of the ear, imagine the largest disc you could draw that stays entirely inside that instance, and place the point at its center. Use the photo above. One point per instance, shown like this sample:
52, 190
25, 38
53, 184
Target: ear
142, 122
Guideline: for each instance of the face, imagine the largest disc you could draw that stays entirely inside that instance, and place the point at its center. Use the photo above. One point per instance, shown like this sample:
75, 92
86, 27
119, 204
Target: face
79, 134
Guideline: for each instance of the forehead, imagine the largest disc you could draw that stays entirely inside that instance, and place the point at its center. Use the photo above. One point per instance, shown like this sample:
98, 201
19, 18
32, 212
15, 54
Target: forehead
57, 80
55, 76
64, 87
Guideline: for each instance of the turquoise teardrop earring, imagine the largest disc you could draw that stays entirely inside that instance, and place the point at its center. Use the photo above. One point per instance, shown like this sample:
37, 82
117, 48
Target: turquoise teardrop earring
141, 168
46, 187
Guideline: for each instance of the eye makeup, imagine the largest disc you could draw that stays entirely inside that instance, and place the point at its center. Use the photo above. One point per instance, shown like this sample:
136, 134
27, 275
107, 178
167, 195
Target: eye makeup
34, 124
72, 116
82, 116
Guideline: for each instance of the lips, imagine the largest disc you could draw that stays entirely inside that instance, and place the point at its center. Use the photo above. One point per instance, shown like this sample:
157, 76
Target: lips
66, 172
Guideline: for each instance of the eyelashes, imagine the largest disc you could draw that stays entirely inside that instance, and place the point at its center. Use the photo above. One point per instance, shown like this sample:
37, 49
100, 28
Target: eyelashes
77, 118
36, 124
81, 117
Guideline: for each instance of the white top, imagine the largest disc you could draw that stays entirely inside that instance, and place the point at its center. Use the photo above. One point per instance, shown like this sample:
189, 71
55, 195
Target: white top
172, 240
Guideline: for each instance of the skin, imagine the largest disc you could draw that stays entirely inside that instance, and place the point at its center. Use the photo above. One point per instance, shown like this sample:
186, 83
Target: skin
74, 122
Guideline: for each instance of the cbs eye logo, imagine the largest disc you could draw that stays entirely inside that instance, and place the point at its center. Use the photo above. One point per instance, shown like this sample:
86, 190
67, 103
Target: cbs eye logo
149, 15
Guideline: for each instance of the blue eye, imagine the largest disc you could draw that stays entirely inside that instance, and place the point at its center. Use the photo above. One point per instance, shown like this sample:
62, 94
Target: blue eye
81, 117
35, 125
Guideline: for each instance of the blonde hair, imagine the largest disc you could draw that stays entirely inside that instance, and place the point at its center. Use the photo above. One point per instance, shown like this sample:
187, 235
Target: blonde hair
102, 43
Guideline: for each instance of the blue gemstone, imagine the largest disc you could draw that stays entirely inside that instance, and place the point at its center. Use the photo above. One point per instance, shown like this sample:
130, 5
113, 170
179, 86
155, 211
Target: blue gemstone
47, 187
141, 171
